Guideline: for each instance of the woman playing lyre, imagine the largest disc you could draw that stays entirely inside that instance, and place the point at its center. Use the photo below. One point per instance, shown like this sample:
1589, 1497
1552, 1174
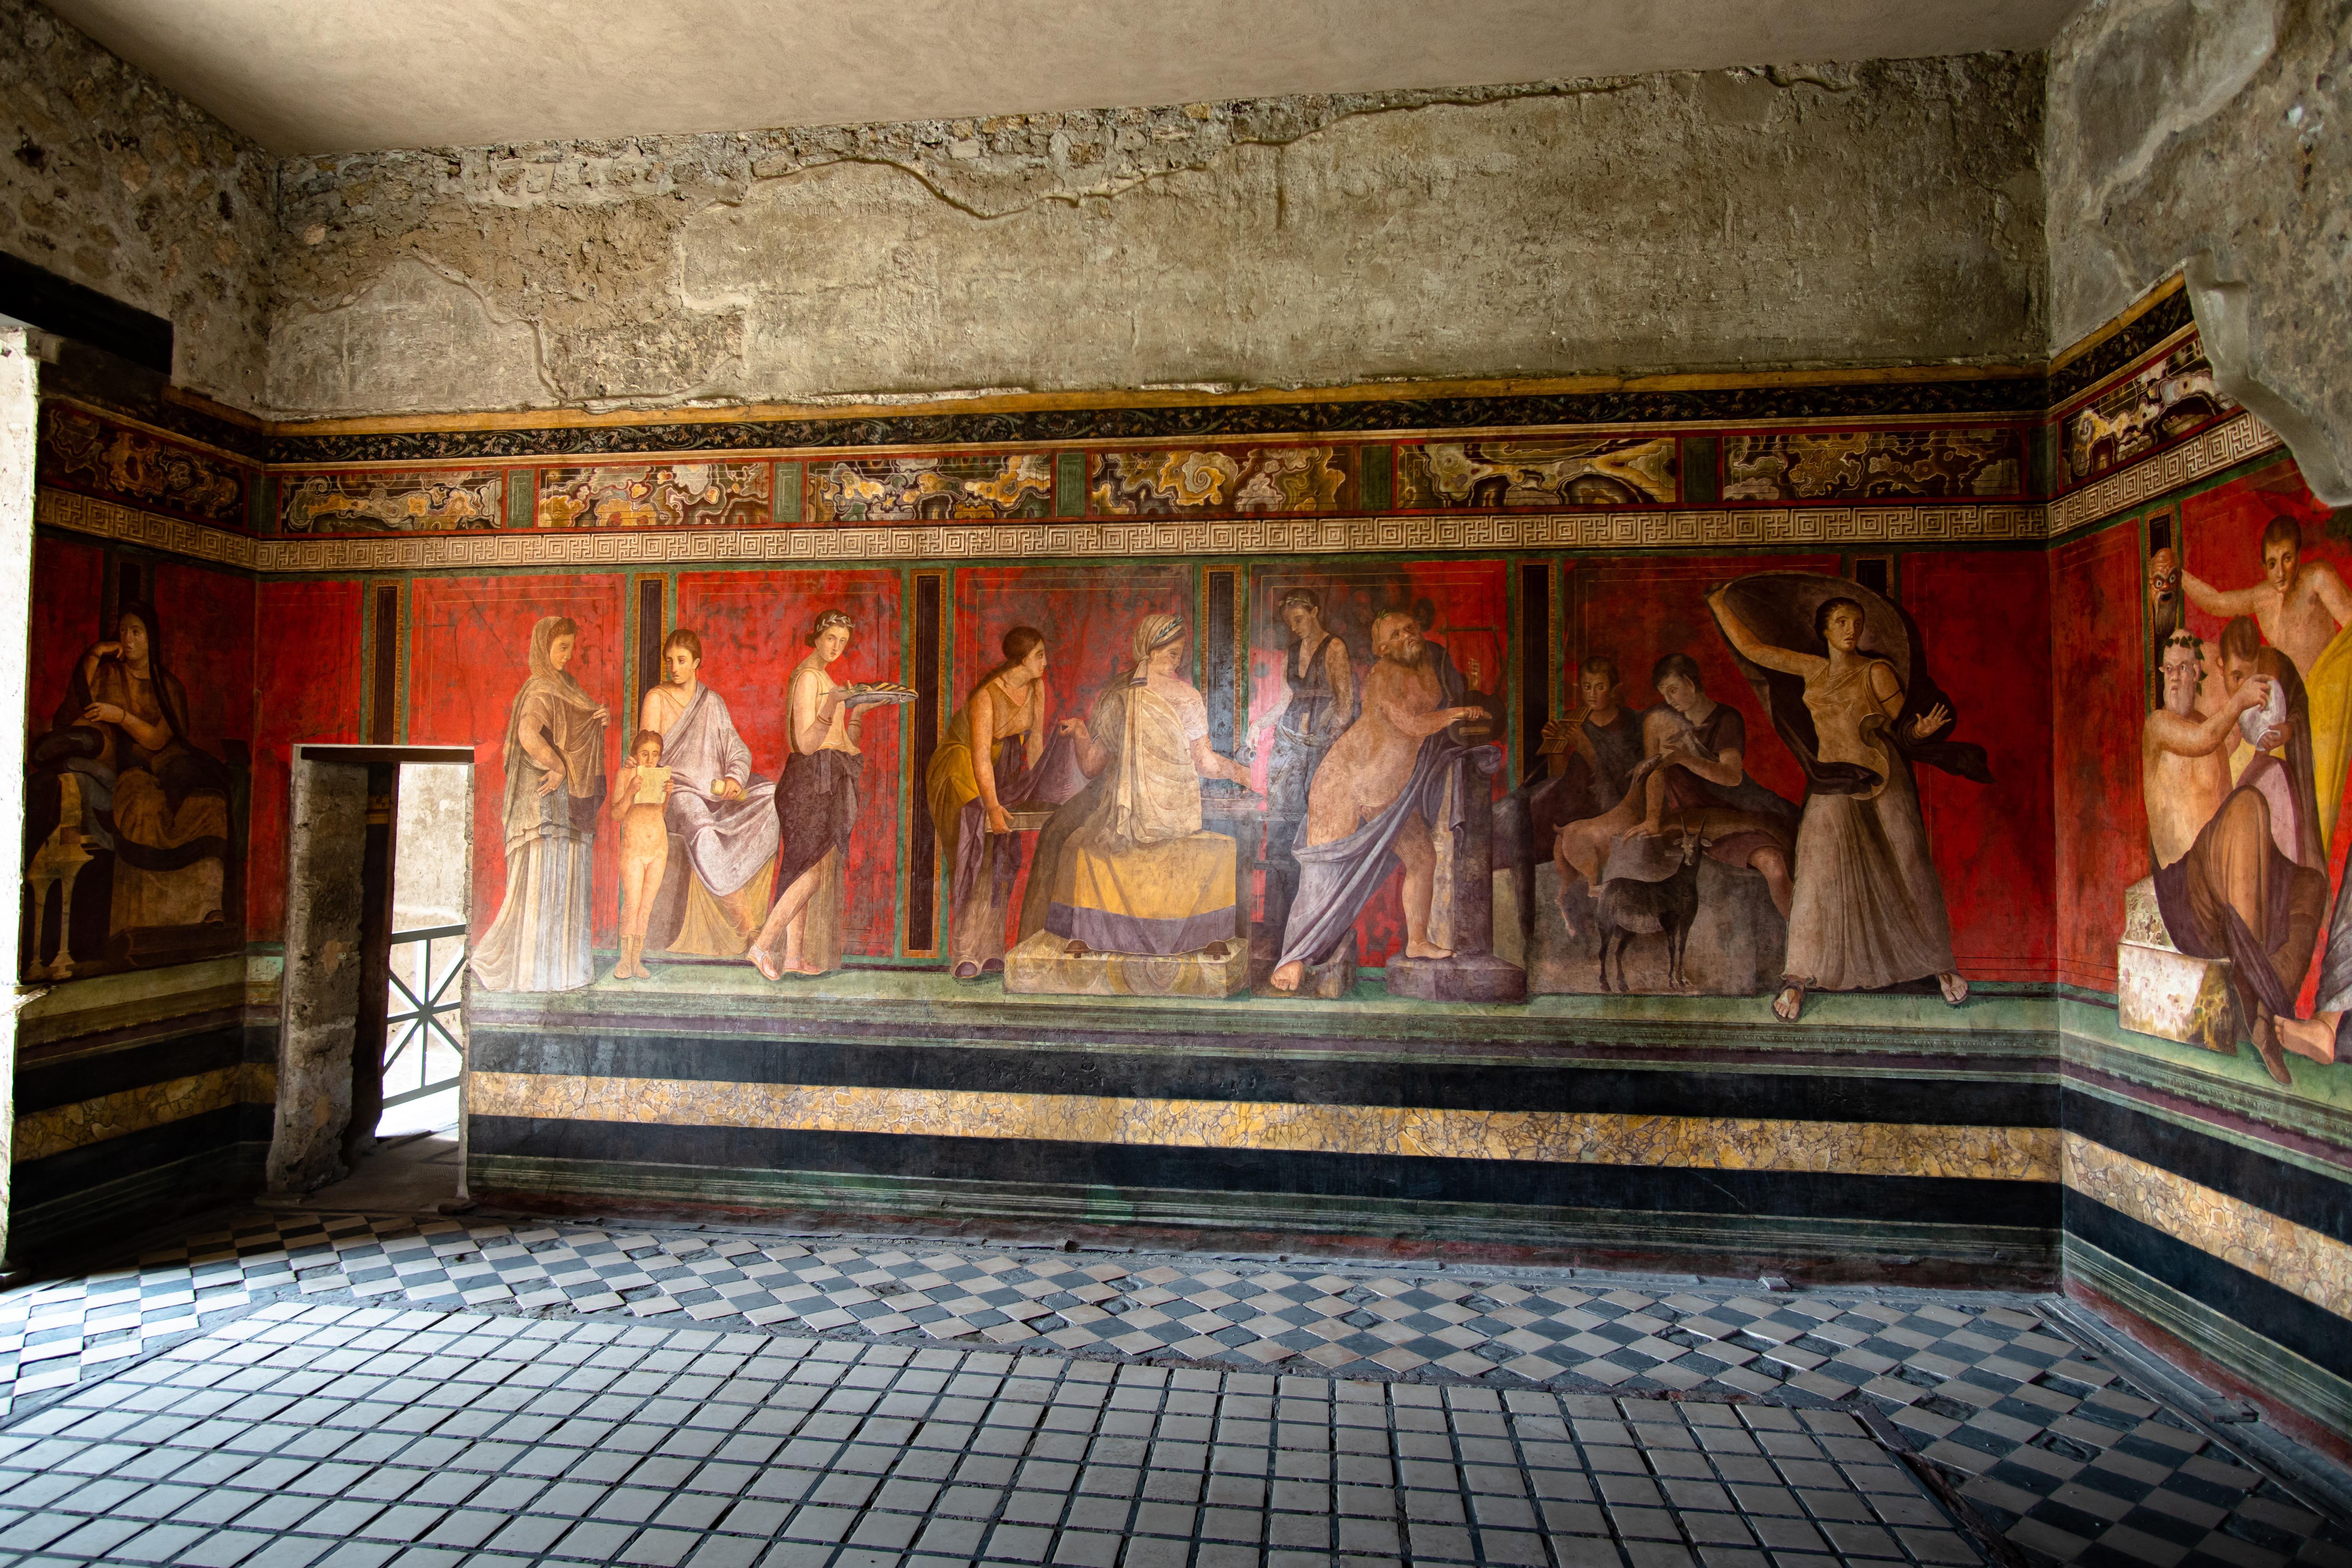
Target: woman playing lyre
816, 806
1868, 907
994, 742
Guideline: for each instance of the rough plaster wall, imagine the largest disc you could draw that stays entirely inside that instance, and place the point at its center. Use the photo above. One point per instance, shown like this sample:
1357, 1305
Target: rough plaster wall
321, 987
120, 185
1887, 212
2215, 132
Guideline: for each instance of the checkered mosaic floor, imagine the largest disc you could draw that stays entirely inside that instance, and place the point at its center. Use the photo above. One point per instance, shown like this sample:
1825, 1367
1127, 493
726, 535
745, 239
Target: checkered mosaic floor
2057, 1452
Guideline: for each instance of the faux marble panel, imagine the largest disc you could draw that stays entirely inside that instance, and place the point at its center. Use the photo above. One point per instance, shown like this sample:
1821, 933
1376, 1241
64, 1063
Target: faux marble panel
87, 1121
1843, 1148
2293, 1257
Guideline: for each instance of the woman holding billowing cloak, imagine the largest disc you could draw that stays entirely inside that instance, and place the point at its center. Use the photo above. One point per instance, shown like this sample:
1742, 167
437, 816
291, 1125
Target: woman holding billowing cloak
1868, 906
555, 788
1124, 867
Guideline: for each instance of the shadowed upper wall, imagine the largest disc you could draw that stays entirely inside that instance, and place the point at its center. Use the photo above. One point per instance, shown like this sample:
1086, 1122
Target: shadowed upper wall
1887, 212
2181, 131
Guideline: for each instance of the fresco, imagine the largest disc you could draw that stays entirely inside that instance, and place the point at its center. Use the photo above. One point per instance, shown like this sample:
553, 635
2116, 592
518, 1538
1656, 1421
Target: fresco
1221, 481
2169, 398
1873, 464
138, 763
654, 495
2235, 931
908, 490
1580, 471
103, 457
382, 501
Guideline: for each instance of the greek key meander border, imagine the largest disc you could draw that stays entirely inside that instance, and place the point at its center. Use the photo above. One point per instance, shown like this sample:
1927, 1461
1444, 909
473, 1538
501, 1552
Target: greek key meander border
2225, 446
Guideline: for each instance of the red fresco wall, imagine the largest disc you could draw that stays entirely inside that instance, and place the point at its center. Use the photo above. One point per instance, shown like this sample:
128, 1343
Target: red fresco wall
307, 687
2100, 689
1982, 617
754, 627
469, 654
1088, 613
67, 580
208, 636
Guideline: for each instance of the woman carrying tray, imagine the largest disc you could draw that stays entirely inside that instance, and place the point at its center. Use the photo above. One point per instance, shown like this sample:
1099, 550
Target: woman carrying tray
816, 806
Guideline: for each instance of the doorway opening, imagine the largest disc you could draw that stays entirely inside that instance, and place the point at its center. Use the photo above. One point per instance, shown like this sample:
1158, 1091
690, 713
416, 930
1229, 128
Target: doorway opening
371, 1071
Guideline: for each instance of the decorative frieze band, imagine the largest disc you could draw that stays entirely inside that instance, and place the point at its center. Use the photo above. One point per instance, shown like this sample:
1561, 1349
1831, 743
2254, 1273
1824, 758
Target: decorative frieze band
1609, 531
2225, 446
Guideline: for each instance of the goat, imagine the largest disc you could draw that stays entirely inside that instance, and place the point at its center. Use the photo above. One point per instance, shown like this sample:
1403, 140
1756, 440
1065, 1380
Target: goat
1649, 886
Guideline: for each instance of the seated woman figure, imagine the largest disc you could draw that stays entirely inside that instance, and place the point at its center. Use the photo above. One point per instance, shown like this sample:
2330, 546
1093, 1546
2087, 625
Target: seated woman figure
147, 792
1123, 867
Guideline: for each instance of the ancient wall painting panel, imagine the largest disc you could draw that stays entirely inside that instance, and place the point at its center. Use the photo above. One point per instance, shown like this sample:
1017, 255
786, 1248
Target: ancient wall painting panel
81, 451
432, 500
1734, 807
1873, 464
827, 775
980, 486
2171, 397
1044, 644
139, 765
1221, 481
2228, 930
654, 494
306, 683
527, 671
1567, 470
1324, 640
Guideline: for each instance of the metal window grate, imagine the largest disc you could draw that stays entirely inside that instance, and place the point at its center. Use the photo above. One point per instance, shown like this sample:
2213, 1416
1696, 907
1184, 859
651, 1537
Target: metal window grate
429, 1004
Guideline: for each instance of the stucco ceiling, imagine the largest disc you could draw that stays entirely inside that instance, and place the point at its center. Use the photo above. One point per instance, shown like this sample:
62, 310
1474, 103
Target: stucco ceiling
344, 75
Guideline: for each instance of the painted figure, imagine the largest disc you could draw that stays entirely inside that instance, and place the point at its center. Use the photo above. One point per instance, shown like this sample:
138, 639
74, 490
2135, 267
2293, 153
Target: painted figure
1589, 761
554, 762
1374, 801
2301, 607
2224, 885
1692, 779
639, 797
1320, 677
987, 761
816, 807
120, 744
2163, 594
722, 812
1123, 867
1867, 909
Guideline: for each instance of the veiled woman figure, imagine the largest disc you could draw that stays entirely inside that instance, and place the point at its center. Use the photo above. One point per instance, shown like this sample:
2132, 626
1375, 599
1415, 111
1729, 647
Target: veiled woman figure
816, 807
555, 789
984, 761
1868, 909
147, 792
1124, 867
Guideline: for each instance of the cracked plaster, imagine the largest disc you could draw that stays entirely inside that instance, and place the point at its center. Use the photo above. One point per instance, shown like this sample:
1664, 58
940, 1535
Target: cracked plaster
1881, 213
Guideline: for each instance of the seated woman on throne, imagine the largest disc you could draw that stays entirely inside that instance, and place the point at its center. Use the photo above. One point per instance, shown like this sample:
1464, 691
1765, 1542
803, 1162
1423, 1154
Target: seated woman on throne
1123, 867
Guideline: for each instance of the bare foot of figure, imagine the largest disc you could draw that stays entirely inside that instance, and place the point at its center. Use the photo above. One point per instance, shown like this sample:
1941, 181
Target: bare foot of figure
2266, 1042
1954, 989
1287, 977
761, 961
1426, 950
1790, 1003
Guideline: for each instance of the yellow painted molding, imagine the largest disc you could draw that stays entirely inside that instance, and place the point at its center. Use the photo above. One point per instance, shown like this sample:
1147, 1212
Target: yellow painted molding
2292, 1257
78, 1126
1723, 1143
